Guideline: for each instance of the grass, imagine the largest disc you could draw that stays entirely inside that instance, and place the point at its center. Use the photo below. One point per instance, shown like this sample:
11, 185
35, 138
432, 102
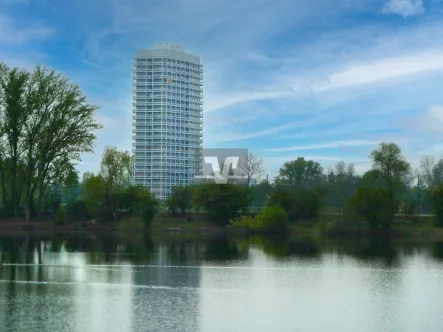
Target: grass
191, 222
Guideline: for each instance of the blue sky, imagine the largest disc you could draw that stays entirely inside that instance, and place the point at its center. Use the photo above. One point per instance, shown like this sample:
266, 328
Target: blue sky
324, 79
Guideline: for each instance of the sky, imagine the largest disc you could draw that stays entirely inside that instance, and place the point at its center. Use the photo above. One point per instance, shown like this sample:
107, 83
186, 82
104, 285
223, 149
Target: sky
324, 79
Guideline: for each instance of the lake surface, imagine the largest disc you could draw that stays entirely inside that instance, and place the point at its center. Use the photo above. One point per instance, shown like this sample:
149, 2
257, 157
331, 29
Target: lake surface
73, 283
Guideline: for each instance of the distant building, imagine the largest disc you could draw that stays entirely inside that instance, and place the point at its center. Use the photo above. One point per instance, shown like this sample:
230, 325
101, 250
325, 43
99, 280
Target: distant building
167, 118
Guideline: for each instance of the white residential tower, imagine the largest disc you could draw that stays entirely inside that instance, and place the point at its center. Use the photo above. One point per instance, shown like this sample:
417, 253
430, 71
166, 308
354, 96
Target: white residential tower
167, 118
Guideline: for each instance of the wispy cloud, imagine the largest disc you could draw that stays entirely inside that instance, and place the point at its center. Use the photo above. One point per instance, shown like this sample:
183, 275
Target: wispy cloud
229, 137
333, 145
218, 102
10, 34
404, 7
383, 69
429, 121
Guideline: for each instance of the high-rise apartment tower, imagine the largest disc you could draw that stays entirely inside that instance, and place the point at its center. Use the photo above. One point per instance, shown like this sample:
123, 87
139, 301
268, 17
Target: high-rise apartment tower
167, 118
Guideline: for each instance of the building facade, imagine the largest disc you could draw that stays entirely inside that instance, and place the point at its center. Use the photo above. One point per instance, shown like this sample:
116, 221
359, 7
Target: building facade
167, 118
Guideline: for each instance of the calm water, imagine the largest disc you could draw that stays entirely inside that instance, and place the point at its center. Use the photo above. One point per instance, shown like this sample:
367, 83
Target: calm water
143, 284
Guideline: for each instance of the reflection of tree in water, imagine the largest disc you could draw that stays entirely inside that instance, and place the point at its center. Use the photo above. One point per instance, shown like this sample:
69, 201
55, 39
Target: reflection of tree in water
382, 249
221, 248
437, 250
280, 247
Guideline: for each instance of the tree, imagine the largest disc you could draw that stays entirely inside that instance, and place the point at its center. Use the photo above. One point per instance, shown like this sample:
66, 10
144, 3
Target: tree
180, 199
261, 193
373, 206
139, 201
44, 119
300, 173
342, 184
430, 172
115, 171
371, 179
253, 167
394, 170
436, 199
222, 201
95, 189
299, 204
283, 197
14, 99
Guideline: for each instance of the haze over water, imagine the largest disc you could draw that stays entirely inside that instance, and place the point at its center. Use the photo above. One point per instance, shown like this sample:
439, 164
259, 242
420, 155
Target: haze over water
147, 284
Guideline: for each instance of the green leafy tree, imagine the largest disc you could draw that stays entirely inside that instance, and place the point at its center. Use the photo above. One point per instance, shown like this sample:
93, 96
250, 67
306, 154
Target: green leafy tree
301, 204
283, 197
223, 202
115, 171
300, 173
95, 190
373, 206
342, 184
371, 179
436, 200
14, 99
44, 119
180, 200
307, 204
394, 171
146, 204
261, 193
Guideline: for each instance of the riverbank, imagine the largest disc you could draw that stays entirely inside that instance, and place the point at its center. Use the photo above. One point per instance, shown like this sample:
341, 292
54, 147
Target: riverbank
200, 225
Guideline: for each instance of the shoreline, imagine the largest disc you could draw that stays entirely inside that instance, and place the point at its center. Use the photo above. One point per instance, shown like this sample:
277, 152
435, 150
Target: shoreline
180, 227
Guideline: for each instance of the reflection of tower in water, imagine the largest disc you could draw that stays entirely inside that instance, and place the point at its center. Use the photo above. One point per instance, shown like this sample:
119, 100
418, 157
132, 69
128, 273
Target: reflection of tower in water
166, 295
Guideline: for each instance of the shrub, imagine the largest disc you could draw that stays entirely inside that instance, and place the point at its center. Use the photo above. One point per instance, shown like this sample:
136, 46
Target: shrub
346, 223
300, 204
273, 219
283, 197
243, 223
373, 206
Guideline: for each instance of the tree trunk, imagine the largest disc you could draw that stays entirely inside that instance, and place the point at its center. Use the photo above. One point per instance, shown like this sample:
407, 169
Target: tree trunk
14, 200
28, 208
3, 187
40, 201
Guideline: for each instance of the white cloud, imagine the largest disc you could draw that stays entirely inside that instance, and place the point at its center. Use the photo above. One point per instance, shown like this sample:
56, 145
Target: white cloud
9, 34
229, 137
333, 145
214, 103
404, 7
429, 121
383, 70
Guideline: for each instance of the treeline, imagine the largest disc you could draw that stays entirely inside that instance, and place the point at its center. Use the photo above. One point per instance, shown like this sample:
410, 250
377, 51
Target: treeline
372, 200
303, 189
45, 124
109, 195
